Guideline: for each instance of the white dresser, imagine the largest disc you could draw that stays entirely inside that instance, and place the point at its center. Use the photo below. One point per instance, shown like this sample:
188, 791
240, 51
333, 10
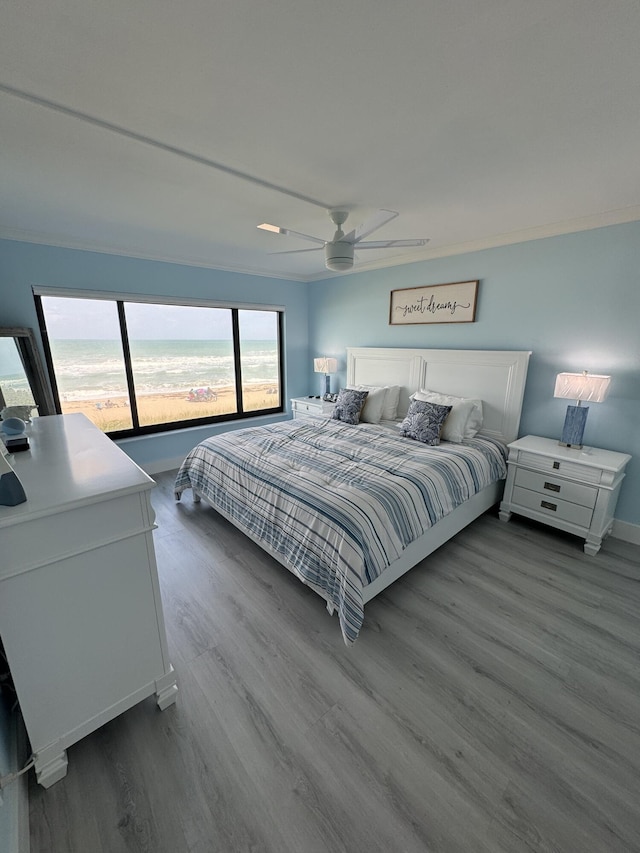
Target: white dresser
573, 490
310, 407
80, 610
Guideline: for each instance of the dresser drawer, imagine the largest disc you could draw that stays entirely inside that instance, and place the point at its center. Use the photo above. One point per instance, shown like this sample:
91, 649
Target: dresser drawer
560, 467
554, 487
552, 507
57, 536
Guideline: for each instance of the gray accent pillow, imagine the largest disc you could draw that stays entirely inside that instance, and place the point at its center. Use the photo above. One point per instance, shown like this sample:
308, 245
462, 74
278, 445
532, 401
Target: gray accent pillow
424, 422
349, 405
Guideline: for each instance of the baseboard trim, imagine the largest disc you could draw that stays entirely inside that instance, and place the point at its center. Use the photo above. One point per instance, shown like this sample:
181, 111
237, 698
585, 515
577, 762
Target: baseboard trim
162, 465
198, 434
626, 531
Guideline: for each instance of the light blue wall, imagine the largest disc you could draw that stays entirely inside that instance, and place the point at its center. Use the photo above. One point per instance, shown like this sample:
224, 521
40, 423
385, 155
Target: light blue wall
23, 265
573, 300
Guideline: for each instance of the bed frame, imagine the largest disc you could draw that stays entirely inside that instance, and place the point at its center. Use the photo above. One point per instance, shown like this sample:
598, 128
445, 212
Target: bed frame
497, 377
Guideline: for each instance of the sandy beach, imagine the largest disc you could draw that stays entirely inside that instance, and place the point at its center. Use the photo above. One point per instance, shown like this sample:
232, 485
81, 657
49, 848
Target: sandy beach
111, 414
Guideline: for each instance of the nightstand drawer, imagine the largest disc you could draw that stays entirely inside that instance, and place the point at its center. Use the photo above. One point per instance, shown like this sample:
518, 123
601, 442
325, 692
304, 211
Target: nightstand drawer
554, 487
552, 507
567, 468
310, 408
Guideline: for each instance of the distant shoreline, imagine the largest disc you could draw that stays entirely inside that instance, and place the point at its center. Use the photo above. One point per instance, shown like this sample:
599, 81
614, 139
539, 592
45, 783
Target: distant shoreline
120, 396
111, 413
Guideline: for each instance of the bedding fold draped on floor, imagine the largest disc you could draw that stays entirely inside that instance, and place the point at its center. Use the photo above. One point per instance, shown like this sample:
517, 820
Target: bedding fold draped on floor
338, 503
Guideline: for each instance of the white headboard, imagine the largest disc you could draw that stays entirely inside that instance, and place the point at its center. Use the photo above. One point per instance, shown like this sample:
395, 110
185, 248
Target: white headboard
497, 377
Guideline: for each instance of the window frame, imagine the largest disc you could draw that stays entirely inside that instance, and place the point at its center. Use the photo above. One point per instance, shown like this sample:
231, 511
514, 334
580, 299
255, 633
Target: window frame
120, 299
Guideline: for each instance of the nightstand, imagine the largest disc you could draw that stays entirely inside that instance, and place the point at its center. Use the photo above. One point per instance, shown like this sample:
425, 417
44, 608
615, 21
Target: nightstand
311, 407
573, 490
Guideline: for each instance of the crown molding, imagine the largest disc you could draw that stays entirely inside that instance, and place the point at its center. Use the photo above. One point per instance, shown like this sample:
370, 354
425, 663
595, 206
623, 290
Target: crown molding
41, 239
540, 232
525, 235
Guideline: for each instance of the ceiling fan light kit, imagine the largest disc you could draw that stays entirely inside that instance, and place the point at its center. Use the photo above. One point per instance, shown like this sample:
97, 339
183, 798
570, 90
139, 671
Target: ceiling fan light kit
339, 252
338, 256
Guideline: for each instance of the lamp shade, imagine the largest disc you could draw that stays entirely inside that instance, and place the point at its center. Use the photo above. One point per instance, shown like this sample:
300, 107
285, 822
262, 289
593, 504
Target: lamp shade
325, 365
590, 387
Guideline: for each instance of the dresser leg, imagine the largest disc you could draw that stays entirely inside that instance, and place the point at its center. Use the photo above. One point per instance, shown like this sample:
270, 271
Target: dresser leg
166, 690
504, 515
592, 546
52, 770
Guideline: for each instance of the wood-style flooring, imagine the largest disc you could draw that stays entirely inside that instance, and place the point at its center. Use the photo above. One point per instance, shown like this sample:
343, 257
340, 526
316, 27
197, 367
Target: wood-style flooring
491, 703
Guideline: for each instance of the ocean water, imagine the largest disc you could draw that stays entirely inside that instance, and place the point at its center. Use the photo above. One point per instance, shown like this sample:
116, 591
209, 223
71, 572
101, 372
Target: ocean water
12, 373
94, 369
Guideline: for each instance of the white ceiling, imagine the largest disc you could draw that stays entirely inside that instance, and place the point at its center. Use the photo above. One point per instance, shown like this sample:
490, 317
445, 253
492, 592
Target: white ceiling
482, 123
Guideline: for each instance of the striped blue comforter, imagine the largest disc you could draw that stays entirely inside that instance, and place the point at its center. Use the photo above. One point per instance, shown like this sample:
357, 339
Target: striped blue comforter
338, 503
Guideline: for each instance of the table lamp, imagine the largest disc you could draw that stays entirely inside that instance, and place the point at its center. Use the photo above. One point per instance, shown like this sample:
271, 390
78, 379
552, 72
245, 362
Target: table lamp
327, 366
579, 386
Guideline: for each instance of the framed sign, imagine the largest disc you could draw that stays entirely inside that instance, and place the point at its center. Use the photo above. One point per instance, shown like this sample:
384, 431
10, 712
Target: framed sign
436, 303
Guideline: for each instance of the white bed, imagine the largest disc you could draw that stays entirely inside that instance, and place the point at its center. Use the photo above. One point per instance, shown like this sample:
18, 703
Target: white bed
495, 377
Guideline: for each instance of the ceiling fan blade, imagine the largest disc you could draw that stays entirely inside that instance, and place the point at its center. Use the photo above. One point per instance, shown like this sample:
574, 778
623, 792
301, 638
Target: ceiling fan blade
389, 244
297, 251
380, 218
276, 229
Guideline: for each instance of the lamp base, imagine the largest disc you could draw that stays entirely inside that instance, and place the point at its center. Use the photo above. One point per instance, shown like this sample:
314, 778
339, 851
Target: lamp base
574, 424
327, 384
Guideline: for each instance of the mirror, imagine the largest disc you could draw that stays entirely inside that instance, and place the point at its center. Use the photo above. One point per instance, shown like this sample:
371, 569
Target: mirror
22, 377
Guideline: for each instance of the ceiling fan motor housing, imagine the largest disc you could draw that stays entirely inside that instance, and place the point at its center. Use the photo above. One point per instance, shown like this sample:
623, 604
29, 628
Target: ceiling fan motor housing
338, 255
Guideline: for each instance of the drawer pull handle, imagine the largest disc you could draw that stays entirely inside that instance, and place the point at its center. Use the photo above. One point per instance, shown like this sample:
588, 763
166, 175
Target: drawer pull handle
552, 487
556, 465
547, 505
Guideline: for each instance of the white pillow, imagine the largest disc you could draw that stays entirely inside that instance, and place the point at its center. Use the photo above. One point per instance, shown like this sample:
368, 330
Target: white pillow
390, 410
465, 418
374, 404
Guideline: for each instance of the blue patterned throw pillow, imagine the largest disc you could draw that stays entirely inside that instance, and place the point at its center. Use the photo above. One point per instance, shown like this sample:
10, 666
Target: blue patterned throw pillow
349, 405
424, 422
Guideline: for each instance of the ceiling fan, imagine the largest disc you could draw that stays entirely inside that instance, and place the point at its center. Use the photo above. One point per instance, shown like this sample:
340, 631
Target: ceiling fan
339, 251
